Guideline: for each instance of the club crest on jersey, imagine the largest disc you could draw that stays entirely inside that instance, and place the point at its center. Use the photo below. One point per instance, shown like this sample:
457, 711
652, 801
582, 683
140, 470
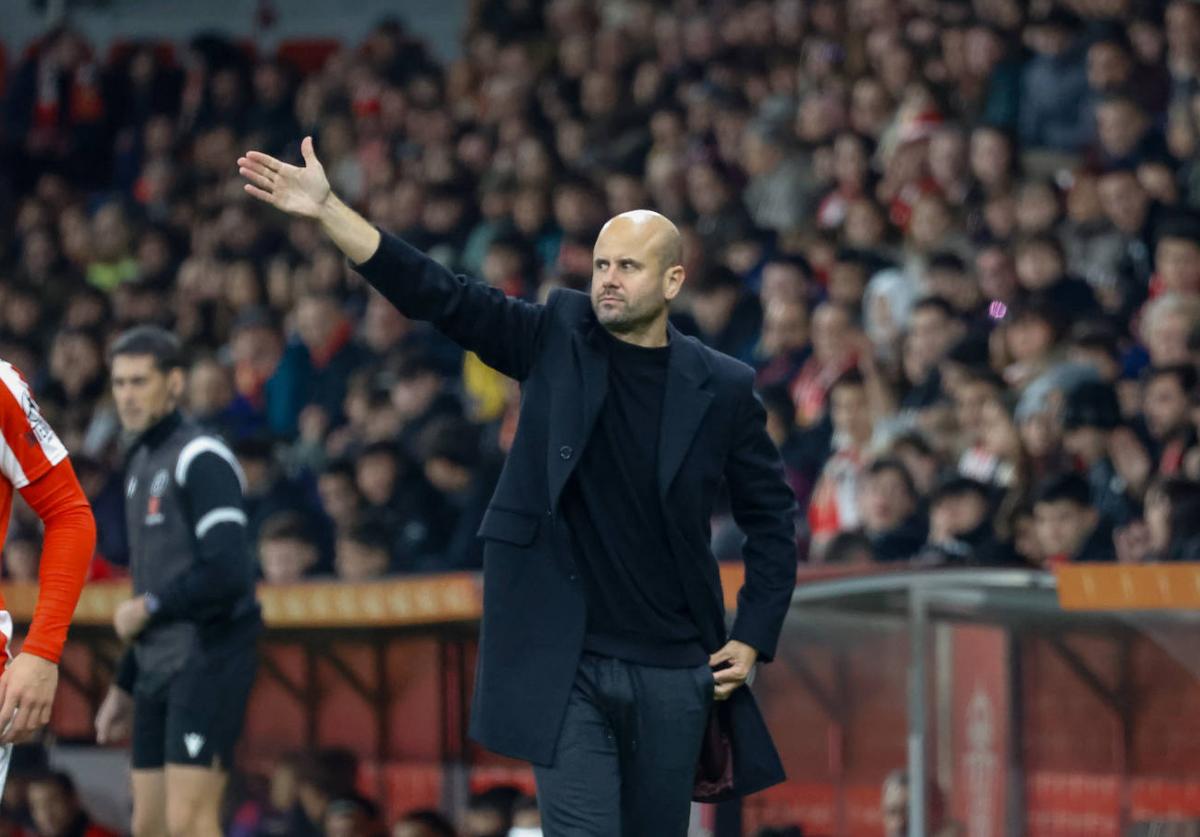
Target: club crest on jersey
158, 487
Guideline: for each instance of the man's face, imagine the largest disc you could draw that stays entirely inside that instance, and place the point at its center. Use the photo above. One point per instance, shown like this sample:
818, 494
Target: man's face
1177, 261
1038, 266
52, 810
785, 327
1107, 66
848, 409
1165, 405
1062, 526
884, 501
339, 498
831, 334
1124, 201
143, 393
630, 285
285, 561
929, 336
1167, 341
316, 319
1119, 126
972, 397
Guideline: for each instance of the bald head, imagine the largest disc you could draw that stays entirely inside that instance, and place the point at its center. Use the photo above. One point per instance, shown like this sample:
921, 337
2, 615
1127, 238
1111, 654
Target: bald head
654, 230
636, 271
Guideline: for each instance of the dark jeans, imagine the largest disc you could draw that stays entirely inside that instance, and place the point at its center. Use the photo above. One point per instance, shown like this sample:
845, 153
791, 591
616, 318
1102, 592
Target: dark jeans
626, 757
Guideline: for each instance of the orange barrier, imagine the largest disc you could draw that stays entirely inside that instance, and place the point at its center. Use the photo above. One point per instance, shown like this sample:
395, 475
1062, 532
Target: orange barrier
1129, 586
411, 601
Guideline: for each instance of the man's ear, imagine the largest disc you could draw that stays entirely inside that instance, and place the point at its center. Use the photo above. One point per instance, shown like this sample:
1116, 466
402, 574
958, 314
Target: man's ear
673, 281
176, 381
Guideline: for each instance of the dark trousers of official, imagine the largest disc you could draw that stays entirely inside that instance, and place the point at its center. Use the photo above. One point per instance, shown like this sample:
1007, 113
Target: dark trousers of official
625, 762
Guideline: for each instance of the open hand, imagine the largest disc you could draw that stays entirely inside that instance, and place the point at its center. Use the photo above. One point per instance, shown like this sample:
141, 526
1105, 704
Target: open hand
26, 696
741, 658
296, 190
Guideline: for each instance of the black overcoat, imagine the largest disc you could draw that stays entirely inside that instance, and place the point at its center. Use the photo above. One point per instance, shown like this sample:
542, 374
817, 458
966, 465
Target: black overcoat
713, 429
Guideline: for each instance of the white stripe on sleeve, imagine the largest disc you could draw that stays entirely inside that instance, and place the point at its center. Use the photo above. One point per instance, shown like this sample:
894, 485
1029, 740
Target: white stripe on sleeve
225, 514
206, 444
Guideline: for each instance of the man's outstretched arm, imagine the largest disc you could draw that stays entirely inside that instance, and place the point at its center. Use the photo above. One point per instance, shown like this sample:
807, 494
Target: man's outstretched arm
503, 331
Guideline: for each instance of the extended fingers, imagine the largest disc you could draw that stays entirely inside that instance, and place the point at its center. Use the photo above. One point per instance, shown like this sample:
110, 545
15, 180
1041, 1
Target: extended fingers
264, 160
259, 193
257, 177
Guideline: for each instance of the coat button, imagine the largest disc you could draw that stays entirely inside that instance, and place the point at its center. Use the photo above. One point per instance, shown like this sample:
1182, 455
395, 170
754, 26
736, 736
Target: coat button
565, 451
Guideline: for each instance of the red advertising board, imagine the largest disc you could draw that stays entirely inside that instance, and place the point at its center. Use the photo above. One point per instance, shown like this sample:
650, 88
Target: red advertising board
980, 734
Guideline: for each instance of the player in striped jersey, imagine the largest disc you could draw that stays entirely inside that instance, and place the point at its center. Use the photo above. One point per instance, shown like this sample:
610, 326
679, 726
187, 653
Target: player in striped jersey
34, 462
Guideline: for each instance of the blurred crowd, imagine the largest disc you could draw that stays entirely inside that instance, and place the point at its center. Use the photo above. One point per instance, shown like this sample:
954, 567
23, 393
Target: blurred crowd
958, 239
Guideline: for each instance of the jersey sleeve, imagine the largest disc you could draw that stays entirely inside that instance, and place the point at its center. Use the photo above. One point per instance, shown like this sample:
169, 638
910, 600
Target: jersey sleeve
30, 447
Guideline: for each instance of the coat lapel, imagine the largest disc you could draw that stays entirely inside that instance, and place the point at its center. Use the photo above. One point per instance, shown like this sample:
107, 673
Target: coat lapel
573, 411
685, 402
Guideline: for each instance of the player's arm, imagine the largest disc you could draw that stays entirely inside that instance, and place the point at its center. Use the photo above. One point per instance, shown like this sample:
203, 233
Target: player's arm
67, 548
503, 331
30, 681
34, 460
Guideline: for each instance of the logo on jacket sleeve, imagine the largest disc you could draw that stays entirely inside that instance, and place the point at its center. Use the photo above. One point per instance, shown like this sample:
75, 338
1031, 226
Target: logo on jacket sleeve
158, 487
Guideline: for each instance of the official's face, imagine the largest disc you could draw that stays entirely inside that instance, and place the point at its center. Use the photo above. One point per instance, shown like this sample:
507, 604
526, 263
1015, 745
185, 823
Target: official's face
631, 281
143, 393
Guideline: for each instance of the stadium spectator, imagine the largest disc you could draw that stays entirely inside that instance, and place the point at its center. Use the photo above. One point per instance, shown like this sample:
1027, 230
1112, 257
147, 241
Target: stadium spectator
55, 808
1069, 528
287, 550
887, 506
795, 180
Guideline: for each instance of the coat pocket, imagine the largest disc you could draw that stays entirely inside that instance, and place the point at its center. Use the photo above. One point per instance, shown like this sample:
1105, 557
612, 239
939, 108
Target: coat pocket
514, 527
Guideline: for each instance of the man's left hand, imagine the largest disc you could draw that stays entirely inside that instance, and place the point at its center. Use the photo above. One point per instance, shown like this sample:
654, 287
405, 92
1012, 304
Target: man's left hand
741, 658
26, 697
131, 617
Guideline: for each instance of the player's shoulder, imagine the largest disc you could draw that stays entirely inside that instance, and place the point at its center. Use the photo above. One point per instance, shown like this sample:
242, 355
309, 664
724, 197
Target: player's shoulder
14, 384
200, 447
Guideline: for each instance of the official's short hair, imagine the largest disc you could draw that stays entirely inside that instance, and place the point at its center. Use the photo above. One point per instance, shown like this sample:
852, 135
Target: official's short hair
151, 341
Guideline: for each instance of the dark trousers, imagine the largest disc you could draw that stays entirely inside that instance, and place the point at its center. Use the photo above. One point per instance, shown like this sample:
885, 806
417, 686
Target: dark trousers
626, 758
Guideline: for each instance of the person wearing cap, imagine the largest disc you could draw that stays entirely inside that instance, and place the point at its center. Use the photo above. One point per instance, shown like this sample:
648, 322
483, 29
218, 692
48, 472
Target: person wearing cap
1090, 415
